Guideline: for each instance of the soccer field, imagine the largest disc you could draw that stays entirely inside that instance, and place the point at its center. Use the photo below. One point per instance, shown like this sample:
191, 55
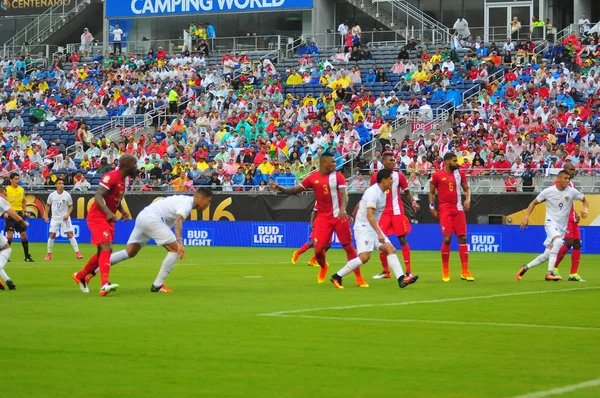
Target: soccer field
248, 323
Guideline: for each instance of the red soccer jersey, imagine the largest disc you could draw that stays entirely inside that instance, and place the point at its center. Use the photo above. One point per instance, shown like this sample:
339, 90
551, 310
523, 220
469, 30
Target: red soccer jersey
449, 188
116, 188
393, 201
327, 191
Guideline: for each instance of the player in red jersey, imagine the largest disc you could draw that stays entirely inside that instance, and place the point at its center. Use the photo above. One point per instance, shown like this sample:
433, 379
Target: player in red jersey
329, 187
448, 182
101, 221
572, 238
310, 244
393, 221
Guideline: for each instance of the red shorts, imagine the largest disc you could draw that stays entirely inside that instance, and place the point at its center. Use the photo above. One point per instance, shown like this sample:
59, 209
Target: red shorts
101, 230
324, 227
453, 221
394, 225
573, 231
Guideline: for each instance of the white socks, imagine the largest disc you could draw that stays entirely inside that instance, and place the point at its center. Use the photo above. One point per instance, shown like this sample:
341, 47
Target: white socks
4, 256
556, 245
73, 244
50, 245
118, 257
539, 259
395, 266
165, 269
349, 267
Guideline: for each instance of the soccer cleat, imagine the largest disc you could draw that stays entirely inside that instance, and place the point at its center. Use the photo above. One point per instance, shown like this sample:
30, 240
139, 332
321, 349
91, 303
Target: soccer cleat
78, 255
337, 281
48, 257
162, 289
10, 284
28, 259
1, 285
446, 274
108, 288
404, 280
82, 284
88, 278
322, 274
466, 276
295, 257
575, 278
382, 275
361, 282
556, 273
550, 276
521, 272
314, 263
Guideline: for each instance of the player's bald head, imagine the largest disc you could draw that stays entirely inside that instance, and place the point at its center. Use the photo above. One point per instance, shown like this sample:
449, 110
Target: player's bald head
569, 168
128, 164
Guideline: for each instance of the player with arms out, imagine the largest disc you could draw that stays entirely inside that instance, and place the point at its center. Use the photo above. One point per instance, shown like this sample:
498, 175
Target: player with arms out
369, 235
15, 195
155, 222
329, 187
101, 221
393, 220
559, 200
572, 238
5, 249
448, 183
61, 204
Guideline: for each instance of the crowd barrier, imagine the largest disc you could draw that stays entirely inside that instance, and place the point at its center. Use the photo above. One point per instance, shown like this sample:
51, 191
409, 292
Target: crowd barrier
481, 238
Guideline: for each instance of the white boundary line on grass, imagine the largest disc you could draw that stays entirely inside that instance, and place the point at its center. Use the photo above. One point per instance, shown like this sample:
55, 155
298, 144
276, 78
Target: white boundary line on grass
444, 300
562, 390
521, 325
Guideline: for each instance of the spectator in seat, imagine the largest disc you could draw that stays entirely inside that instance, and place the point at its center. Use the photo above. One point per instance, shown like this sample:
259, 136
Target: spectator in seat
358, 185
82, 185
510, 183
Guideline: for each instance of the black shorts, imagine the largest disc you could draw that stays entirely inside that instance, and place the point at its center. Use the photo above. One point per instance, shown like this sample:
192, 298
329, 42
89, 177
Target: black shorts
13, 226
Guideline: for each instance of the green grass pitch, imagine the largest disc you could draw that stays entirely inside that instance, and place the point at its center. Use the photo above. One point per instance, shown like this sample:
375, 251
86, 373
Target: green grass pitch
209, 339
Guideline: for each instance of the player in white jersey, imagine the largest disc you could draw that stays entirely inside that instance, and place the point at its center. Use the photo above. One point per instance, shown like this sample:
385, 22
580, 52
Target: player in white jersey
61, 204
559, 201
155, 222
5, 249
368, 234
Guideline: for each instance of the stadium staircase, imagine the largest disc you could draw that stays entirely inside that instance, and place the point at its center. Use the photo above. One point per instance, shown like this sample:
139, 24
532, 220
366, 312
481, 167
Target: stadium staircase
56, 25
405, 19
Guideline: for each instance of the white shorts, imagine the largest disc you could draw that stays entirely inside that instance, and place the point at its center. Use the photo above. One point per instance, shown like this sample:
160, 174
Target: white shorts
64, 226
366, 239
553, 230
3, 241
150, 226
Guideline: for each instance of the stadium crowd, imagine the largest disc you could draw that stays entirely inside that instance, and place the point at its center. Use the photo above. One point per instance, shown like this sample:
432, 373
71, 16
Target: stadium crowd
233, 124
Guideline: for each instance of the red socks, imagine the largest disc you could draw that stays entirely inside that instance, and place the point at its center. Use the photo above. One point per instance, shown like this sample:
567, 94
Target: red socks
350, 252
406, 256
445, 255
463, 251
320, 255
304, 248
90, 267
104, 263
561, 254
384, 262
575, 257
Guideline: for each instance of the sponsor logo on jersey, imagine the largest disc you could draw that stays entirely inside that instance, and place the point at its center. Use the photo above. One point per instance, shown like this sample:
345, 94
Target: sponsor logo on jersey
198, 237
485, 243
268, 235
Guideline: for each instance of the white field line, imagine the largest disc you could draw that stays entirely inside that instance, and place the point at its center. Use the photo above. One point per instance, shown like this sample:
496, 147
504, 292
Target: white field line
444, 300
130, 263
562, 390
465, 323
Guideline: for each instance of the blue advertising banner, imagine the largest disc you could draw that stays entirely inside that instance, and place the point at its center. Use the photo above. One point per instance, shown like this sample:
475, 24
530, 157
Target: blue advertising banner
481, 238
147, 8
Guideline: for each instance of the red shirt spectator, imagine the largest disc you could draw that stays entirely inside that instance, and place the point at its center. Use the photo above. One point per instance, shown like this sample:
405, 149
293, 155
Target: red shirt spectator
510, 184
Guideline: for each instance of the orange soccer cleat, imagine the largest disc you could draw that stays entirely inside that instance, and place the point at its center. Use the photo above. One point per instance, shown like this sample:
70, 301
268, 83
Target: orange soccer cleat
295, 257
361, 282
466, 276
521, 273
337, 281
446, 274
1, 285
322, 274
162, 289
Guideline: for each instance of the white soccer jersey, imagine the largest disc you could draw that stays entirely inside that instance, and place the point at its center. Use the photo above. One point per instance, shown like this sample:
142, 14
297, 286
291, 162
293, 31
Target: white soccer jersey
169, 208
559, 204
4, 205
373, 198
60, 204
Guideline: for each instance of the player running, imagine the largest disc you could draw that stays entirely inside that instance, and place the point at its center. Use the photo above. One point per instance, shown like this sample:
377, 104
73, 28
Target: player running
448, 183
15, 195
370, 236
155, 222
101, 221
5, 249
572, 238
61, 204
393, 220
329, 187
559, 204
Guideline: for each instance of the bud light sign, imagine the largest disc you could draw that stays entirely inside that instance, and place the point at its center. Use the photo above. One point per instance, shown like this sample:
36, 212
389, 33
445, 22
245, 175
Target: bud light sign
485, 243
268, 235
198, 237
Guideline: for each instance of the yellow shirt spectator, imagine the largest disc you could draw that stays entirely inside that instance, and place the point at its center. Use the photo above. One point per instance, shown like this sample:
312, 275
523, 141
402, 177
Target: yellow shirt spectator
420, 75
294, 79
344, 82
310, 101
202, 165
85, 164
266, 168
